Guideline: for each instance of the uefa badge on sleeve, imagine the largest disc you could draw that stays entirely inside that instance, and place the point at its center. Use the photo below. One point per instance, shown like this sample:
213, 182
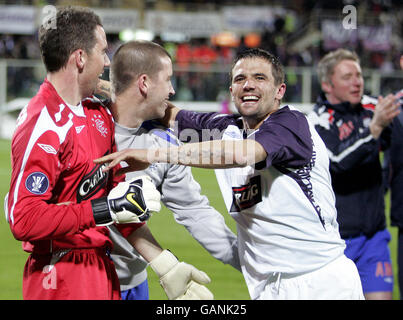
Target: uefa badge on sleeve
37, 183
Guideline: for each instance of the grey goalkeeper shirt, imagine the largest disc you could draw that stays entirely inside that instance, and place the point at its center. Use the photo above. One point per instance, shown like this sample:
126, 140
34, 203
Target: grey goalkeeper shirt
181, 194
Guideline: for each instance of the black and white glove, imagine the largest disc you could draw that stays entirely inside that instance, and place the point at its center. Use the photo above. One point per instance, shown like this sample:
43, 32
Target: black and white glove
130, 201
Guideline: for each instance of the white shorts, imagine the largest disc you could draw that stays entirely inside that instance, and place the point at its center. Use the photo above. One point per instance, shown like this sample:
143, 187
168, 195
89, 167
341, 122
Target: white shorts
338, 280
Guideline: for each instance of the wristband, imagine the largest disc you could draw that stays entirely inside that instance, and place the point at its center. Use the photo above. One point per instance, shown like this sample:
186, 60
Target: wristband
100, 209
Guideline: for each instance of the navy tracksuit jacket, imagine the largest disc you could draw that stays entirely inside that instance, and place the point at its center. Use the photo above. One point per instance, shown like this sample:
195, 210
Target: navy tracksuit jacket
355, 166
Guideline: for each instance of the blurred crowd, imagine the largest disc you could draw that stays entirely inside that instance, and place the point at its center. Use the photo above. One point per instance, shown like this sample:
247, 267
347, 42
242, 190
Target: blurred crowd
201, 64
205, 53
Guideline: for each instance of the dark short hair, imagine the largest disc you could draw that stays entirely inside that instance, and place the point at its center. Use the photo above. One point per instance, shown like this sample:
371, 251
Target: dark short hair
133, 59
74, 29
277, 68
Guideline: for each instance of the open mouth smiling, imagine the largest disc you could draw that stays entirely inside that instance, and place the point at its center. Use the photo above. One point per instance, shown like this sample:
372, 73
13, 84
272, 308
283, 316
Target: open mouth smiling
250, 98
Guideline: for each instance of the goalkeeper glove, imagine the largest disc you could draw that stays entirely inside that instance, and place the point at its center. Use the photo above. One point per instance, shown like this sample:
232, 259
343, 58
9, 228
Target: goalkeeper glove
179, 279
130, 201
195, 291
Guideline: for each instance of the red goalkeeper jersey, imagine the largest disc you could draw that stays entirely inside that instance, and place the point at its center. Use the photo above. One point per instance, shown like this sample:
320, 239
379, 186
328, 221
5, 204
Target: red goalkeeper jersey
52, 155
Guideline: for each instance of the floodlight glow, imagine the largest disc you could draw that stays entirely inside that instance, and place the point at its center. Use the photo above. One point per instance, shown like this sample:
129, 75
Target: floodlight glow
142, 34
126, 35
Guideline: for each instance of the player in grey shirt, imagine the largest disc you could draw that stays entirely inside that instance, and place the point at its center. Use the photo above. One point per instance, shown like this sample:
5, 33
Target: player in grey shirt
139, 94
181, 194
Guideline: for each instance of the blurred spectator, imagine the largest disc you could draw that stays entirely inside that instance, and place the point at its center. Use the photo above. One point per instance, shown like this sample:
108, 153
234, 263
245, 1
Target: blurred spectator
183, 54
204, 54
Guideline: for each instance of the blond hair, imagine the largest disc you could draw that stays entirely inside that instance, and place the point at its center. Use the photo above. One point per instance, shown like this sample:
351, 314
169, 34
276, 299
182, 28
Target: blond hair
327, 64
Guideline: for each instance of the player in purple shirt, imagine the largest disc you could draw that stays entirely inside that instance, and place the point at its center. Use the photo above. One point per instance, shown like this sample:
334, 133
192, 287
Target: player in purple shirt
273, 172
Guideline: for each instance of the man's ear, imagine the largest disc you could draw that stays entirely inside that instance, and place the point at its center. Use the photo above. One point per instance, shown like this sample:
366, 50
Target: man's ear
143, 84
80, 58
232, 96
326, 87
281, 91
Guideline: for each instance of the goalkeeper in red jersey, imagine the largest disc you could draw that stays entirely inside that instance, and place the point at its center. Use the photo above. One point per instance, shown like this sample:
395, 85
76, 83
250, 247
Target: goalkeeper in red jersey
58, 203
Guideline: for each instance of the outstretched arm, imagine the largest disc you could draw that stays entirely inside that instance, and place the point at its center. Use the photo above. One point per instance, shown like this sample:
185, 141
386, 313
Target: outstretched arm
217, 154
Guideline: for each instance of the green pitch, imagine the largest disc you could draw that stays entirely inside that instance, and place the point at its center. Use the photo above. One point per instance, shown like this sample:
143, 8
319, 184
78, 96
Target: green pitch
12, 258
226, 282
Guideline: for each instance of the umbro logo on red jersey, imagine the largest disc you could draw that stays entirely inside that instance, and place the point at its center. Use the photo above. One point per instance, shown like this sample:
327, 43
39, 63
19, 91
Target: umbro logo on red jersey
47, 148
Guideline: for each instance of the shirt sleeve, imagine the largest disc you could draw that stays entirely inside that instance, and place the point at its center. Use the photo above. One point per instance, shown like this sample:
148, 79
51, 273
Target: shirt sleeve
201, 126
287, 141
128, 228
33, 216
195, 120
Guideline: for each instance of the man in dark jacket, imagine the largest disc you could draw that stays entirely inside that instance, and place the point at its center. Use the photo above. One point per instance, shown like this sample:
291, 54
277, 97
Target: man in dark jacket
355, 128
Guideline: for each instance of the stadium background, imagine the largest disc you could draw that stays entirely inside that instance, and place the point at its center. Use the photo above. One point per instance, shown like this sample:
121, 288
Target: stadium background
202, 37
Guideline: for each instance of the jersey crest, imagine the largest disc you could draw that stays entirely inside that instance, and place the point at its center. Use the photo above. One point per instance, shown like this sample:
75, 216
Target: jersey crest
99, 124
37, 183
